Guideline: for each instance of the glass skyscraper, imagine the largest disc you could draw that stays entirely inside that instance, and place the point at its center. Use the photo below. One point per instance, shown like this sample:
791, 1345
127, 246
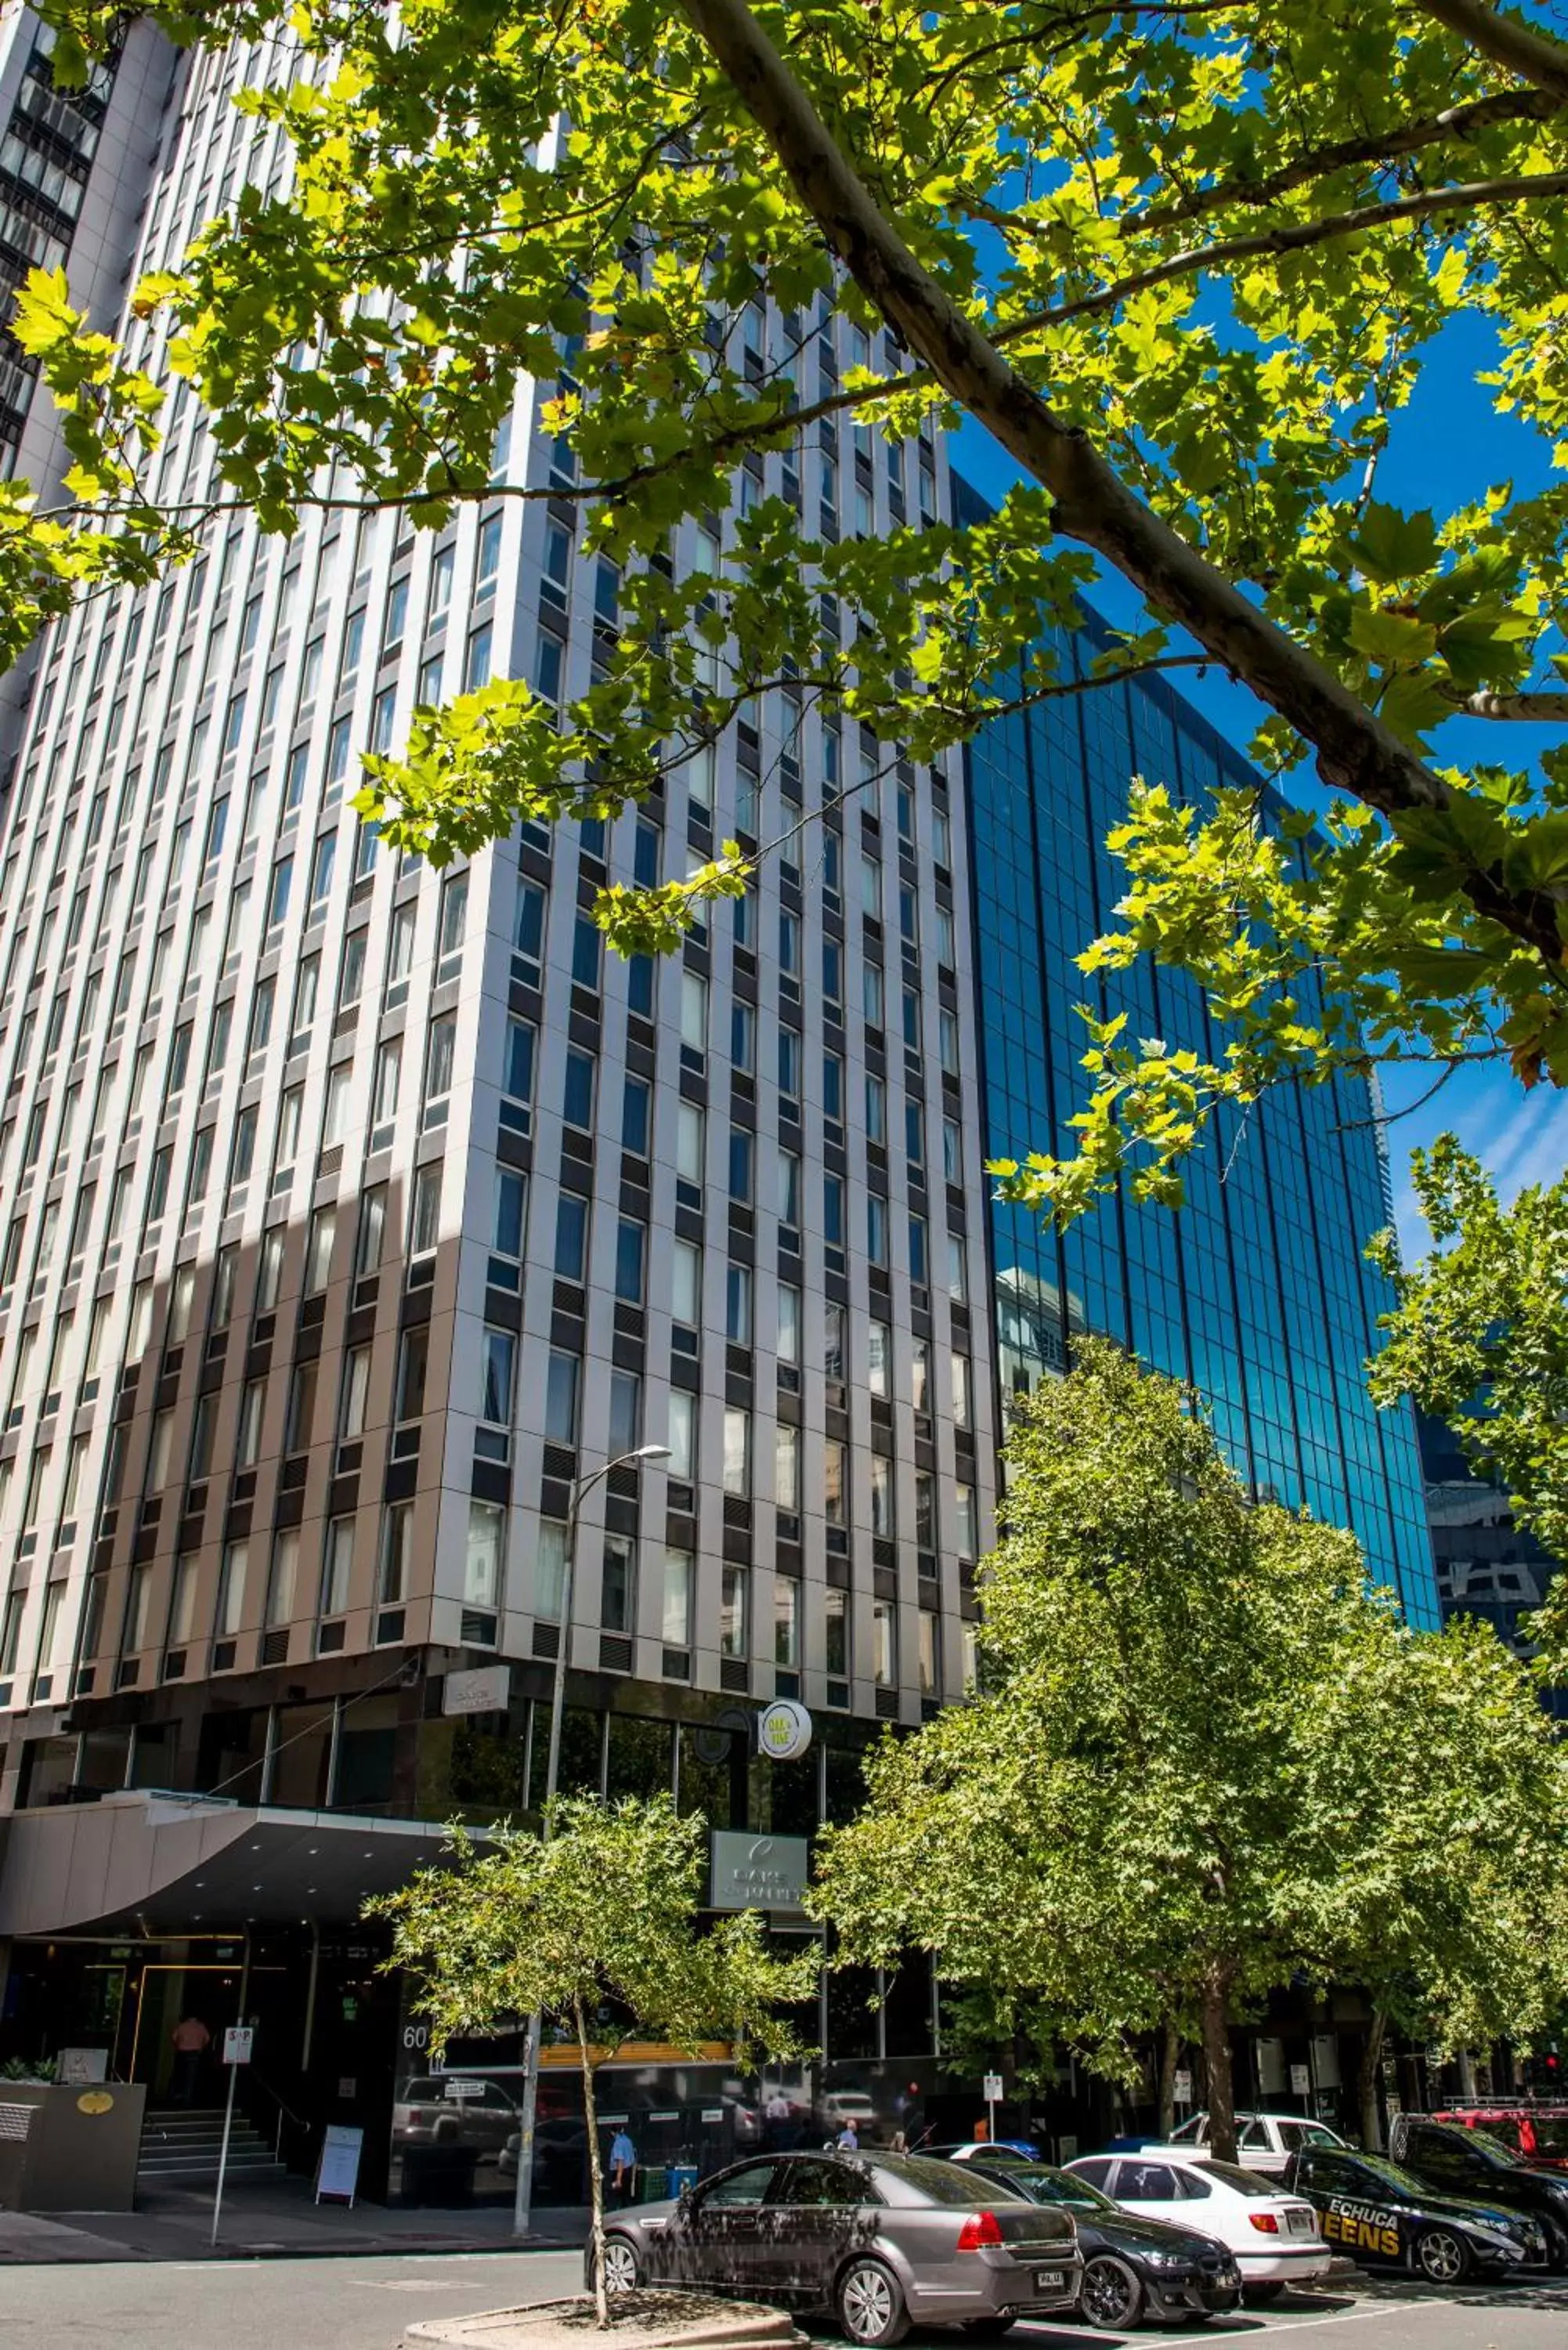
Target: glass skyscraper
1257, 1290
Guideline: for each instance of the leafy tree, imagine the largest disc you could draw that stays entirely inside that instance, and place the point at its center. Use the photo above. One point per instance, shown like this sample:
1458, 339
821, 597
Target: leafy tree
595, 1930
1450, 1913
1186, 261
1204, 1758
1479, 1338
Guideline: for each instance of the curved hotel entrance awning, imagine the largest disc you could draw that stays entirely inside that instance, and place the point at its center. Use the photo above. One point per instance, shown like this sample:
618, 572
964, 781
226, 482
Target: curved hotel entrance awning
166, 1864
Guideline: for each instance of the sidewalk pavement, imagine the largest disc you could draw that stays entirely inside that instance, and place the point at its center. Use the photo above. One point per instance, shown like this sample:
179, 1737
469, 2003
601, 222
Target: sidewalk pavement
277, 2221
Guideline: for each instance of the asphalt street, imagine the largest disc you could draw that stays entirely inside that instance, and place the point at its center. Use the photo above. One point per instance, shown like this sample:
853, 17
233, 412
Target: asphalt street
365, 2305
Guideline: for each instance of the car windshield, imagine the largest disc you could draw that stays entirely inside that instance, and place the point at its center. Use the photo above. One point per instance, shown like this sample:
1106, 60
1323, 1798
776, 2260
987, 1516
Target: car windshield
1042, 2184
1386, 2174
1245, 2183
1498, 2149
915, 2178
1550, 2137
1315, 2134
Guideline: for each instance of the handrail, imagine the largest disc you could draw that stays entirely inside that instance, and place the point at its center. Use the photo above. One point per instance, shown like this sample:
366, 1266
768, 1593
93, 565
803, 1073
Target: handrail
259, 2082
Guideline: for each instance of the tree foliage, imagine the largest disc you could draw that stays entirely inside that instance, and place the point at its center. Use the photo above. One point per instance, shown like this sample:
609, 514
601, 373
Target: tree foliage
1205, 1758
1480, 1337
595, 1930
1186, 262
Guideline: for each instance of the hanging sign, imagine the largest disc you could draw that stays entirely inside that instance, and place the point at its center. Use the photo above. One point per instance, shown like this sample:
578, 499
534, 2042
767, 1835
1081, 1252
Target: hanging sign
783, 1731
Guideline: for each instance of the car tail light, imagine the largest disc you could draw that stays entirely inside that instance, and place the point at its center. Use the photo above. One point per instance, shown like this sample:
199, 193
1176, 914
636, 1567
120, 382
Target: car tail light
982, 2228
1266, 2222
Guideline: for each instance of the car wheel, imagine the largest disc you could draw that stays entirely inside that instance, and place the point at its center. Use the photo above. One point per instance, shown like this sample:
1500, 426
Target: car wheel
870, 2305
1441, 2256
622, 2273
1255, 2295
1110, 2296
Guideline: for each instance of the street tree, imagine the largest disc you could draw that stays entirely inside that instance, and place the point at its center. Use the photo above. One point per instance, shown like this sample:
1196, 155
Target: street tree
1450, 1907
1193, 1769
595, 1930
1186, 262
1480, 1337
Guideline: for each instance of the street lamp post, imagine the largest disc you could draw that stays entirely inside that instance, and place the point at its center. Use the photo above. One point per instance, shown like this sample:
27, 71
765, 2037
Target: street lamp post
522, 2209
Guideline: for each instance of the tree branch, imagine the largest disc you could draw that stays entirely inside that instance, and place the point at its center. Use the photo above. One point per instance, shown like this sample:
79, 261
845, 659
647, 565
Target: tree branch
1294, 238
1378, 147
1355, 752
1517, 47
1539, 709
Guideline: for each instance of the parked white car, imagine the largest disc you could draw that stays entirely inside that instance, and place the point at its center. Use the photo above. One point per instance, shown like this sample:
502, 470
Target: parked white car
1274, 2235
1263, 2141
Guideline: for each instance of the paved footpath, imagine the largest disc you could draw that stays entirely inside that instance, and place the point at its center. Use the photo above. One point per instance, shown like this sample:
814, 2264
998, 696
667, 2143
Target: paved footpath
365, 2305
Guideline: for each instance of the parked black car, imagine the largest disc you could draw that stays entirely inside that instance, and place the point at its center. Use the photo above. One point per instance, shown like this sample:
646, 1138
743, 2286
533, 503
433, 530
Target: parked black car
1374, 2210
882, 2240
1462, 2161
1133, 2267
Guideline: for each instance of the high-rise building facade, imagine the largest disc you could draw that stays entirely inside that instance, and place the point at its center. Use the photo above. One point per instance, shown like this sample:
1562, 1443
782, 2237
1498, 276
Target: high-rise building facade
1258, 1292
355, 1216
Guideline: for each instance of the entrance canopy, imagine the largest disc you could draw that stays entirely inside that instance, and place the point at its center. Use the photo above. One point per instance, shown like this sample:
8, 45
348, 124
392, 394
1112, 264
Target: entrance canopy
170, 1864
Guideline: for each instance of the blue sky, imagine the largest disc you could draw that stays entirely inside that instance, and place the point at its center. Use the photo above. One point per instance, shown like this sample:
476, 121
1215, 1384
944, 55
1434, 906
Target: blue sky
1446, 448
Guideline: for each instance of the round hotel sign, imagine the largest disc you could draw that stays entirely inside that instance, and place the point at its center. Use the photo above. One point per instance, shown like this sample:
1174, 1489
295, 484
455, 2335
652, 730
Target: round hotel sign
783, 1730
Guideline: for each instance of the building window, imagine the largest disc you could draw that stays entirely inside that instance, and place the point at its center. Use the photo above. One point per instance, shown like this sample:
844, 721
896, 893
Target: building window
679, 1565
835, 1634
737, 1478
231, 1615
631, 1261
834, 1483
742, 1152
882, 1511
397, 1553
424, 1218
967, 1522
738, 1305
282, 1576
734, 1595
482, 1573
617, 1598
497, 1361
884, 1644
625, 1412
561, 1397
931, 1666
441, 1058
786, 1623
683, 1435
787, 1344
318, 1250
354, 1393
337, 1565
247, 1432
786, 1468
578, 1092
550, 1570
571, 1237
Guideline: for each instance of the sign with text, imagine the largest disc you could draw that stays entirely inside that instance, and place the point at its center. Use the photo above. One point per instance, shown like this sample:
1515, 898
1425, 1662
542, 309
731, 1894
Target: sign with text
1182, 2091
485, 1690
757, 1872
338, 2168
1301, 2081
80, 2067
237, 2042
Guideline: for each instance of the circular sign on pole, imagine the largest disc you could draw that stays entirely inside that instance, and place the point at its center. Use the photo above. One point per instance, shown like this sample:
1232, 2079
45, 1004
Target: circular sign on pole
783, 1730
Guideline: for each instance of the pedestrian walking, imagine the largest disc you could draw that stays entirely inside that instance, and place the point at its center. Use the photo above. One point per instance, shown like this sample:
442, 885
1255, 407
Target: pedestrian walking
850, 2137
623, 2168
191, 2041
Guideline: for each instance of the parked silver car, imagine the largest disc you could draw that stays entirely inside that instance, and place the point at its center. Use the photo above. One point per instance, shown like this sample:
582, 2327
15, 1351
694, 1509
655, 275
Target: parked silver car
882, 2240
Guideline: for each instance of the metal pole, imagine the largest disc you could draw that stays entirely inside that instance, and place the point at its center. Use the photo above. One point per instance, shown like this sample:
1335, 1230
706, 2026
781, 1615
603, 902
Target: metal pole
223, 2152
523, 2195
523, 2200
